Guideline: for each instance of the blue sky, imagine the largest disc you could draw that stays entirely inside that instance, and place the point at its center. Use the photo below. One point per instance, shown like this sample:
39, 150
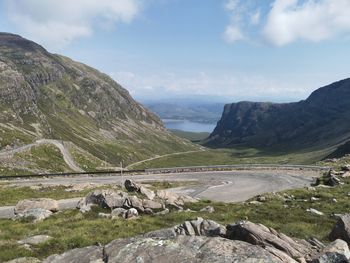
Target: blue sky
231, 50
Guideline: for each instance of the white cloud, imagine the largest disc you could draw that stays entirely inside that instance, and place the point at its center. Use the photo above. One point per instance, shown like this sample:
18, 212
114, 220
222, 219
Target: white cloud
233, 33
58, 22
292, 20
287, 21
231, 86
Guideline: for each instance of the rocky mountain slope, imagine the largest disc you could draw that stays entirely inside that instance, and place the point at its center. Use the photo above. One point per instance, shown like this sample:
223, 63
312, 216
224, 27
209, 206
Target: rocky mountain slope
43, 95
320, 121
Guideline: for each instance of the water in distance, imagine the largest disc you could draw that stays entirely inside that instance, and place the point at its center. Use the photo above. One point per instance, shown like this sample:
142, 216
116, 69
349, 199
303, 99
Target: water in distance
190, 126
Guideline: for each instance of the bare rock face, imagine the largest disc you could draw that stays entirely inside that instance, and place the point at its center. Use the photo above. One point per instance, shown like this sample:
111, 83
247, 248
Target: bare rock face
79, 255
265, 237
185, 249
43, 203
200, 227
341, 230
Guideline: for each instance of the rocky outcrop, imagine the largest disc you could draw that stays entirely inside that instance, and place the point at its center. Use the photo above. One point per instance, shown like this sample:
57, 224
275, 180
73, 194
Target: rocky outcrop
37, 214
204, 240
267, 237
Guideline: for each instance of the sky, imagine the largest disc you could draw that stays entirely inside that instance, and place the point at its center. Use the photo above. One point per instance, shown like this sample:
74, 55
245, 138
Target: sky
217, 50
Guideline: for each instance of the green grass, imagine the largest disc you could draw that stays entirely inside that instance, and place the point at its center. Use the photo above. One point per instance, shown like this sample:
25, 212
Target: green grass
71, 229
10, 195
195, 137
44, 157
232, 156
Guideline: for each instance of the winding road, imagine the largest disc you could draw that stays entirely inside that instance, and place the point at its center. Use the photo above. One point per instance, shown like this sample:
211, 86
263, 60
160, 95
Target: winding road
67, 157
225, 186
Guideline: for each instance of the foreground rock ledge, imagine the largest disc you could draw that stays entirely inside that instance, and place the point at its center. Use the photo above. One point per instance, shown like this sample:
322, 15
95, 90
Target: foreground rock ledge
203, 240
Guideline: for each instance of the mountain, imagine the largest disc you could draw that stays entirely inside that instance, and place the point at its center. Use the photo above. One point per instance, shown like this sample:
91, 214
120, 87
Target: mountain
187, 110
320, 121
44, 95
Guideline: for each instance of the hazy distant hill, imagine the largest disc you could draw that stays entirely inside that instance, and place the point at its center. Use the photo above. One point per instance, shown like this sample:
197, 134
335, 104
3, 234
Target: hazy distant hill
186, 110
322, 120
43, 95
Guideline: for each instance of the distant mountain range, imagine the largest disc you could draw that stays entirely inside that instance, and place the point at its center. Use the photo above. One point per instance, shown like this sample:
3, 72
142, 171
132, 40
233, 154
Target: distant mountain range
187, 110
320, 121
43, 95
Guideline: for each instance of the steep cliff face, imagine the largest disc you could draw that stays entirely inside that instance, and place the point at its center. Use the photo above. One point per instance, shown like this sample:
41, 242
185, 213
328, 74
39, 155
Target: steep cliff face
43, 95
322, 120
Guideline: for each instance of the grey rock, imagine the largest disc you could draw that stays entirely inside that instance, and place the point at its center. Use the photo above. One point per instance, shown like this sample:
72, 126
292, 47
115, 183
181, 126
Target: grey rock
34, 240
104, 215
43, 203
103, 198
152, 204
208, 209
132, 213
200, 227
119, 212
136, 203
147, 192
38, 214
341, 229
314, 211
92, 254
164, 212
185, 249
263, 236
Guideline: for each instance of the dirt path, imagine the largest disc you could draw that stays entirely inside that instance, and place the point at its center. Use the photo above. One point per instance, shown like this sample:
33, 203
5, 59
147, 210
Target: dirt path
67, 157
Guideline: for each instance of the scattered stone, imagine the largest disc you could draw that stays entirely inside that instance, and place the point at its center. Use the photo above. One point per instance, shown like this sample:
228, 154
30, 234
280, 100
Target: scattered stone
148, 211
261, 198
345, 168
314, 211
119, 212
341, 230
43, 203
104, 215
80, 187
131, 186
34, 240
132, 213
38, 214
313, 199
208, 209
334, 200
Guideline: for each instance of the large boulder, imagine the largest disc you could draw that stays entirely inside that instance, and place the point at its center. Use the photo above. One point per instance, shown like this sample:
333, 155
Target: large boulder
103, 198
92, 254
37, 214
341, 230
43, 203
262, 236
335, 252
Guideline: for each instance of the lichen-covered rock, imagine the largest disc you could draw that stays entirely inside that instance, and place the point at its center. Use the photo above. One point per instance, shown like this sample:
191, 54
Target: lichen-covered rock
92, 254
37, 214
337, 252
186, 249
263, 236
35, 240
43, 203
